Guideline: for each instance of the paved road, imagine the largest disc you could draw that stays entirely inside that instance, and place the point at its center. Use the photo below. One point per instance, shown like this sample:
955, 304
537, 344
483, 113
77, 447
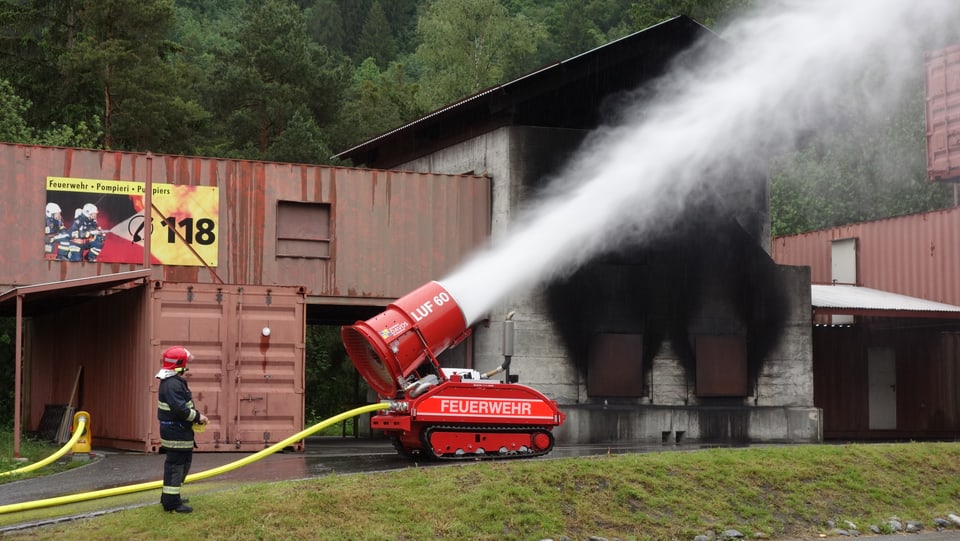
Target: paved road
110, 469
321, 456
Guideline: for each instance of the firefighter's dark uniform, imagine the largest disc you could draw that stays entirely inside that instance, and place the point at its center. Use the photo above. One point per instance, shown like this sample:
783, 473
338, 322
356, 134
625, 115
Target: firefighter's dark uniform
54, 231
84, 240
177, 415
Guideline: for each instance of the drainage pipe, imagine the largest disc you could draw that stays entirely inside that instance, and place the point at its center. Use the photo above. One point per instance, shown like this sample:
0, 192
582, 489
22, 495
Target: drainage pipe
81, 423
116, 491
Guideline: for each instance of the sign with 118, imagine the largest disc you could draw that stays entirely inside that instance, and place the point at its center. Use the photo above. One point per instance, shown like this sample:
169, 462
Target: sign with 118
103, 220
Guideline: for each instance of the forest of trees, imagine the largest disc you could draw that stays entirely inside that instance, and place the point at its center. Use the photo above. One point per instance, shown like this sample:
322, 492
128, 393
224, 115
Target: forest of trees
300, 80
276, 79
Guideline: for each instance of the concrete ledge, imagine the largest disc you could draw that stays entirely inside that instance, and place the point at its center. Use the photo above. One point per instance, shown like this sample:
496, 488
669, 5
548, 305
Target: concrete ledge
598, 423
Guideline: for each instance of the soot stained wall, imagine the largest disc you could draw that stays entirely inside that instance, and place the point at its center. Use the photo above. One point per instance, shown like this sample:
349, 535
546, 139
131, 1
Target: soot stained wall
666, 289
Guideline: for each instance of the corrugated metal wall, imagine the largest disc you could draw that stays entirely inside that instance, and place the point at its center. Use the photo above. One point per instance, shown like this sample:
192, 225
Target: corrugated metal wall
102, 336
391, 232
943, 113
948, 384
249, 383
839, 385
927, 384
915, 255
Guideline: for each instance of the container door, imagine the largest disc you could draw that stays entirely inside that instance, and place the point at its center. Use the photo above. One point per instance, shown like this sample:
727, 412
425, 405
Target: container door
247, 374
197, 317
882, 378
268, 367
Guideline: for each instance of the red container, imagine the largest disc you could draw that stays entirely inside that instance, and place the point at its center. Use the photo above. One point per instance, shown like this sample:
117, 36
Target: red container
943, 114
415, 328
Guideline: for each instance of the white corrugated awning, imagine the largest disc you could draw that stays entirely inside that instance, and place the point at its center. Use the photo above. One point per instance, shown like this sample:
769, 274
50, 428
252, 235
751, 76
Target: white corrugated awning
857, 300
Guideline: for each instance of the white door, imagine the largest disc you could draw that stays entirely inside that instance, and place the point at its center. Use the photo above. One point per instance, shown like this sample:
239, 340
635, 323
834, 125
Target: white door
843, 270
882, 378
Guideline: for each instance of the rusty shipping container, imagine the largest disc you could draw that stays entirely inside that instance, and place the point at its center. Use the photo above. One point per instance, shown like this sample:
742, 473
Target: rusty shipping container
99, 348
926, 399
886, 377
241, 253
247, 377
913, 255
943, 114
347, 235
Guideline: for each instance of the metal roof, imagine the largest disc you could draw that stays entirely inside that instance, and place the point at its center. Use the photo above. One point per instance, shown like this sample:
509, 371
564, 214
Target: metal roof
563, 94
865, 301
42, 298
912, 254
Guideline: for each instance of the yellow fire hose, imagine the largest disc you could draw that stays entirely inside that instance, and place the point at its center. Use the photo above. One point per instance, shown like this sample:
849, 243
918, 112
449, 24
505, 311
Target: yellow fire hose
61, 500
81, 424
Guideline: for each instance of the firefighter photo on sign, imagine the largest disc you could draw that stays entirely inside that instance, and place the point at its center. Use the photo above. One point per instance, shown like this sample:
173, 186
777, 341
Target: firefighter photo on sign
83, 240
54, 231
104, 222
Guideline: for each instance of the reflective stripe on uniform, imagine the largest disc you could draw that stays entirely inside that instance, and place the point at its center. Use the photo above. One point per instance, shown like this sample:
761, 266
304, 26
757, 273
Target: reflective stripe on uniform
170, 490
166, 407
176, 444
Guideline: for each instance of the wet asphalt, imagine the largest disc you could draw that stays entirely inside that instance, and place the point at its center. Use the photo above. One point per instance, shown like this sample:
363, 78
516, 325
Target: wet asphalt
321, 456
107, 469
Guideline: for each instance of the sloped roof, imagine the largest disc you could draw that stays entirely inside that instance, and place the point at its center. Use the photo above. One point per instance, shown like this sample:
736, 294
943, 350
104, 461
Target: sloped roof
43, 298
865, 301
565, 94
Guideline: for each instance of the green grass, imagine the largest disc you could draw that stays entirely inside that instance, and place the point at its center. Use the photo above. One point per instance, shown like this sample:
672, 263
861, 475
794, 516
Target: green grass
32, 450
784, 492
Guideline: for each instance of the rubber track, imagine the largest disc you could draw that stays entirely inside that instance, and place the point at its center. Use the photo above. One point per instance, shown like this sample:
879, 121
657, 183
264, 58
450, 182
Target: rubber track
425, 441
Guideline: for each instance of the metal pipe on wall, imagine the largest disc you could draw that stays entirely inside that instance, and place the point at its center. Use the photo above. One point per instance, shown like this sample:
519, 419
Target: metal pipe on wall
18, 376
147, 212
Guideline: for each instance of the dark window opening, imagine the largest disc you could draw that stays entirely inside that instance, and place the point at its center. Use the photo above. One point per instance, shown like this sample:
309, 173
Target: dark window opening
615, 366
721, 366
303, 229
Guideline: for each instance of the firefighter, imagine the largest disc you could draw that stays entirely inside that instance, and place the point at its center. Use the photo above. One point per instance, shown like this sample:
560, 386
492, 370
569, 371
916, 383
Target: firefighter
54, 230
177, 414
85, 238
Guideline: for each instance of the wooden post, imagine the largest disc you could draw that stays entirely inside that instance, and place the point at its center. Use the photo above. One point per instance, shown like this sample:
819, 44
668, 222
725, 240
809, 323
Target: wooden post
67, 420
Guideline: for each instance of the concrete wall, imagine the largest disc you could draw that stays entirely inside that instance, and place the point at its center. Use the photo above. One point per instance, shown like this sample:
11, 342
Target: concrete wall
516, 159
787, 375
780, 408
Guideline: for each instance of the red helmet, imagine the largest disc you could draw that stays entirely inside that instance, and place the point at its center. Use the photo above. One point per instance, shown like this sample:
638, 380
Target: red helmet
176, 358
